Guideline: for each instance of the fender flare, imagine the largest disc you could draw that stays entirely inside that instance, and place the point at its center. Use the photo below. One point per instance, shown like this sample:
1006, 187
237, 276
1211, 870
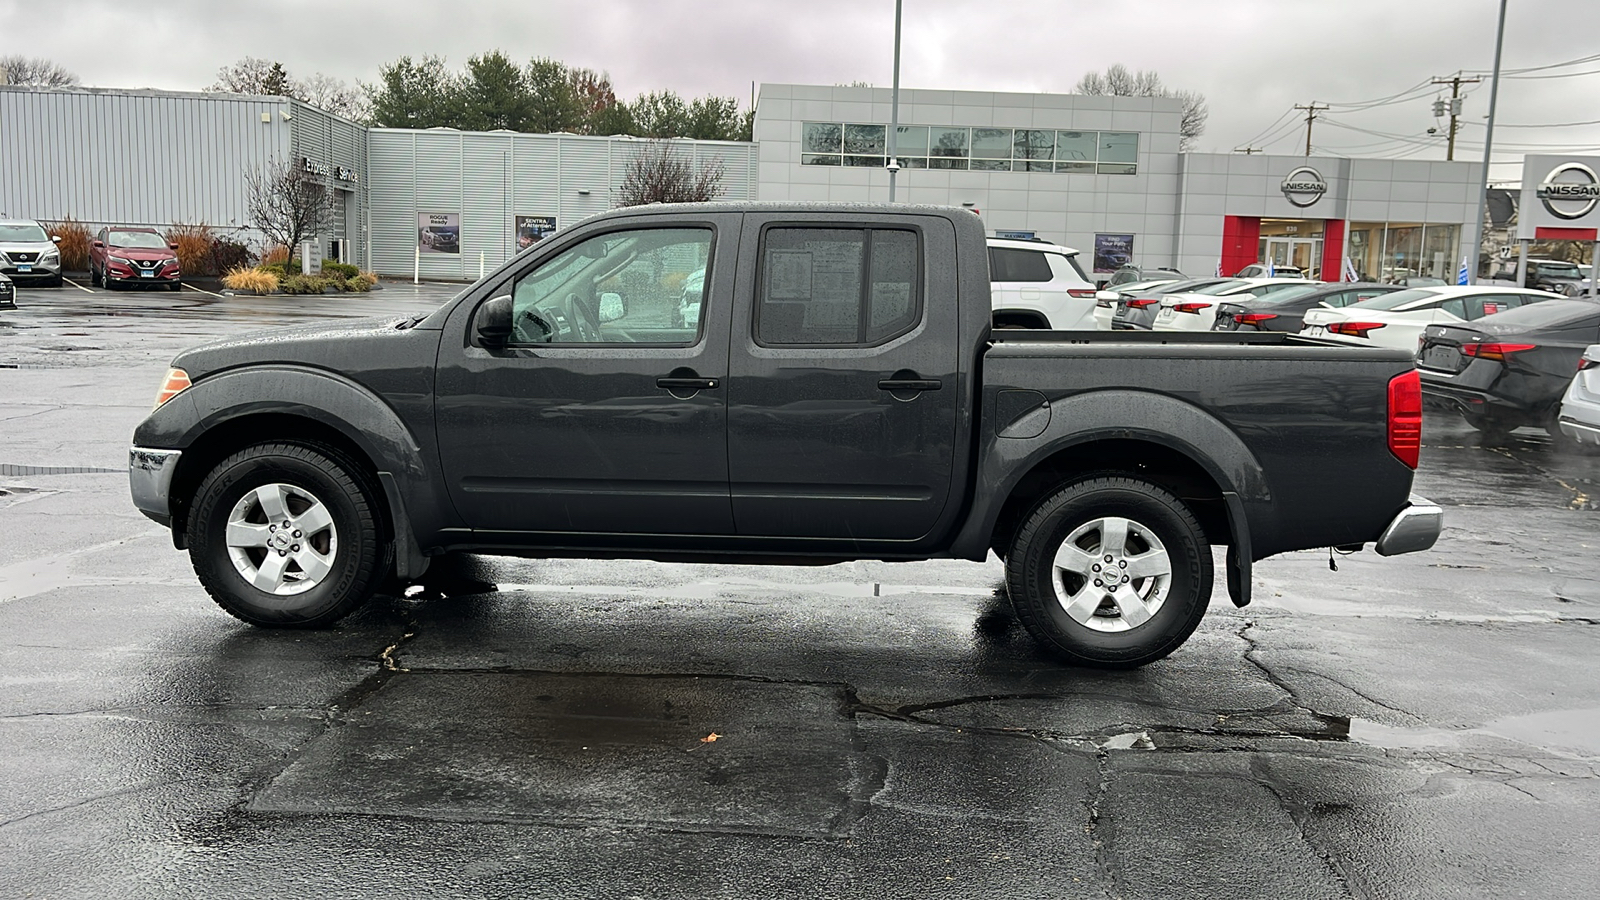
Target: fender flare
1126, 414
403, 467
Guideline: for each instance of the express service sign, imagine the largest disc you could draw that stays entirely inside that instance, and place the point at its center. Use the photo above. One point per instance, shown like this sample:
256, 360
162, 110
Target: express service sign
1559, 193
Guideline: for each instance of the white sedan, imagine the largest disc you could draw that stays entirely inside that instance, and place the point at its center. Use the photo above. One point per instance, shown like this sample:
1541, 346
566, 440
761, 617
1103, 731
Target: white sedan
1580, 408
1197, 310
1397, 320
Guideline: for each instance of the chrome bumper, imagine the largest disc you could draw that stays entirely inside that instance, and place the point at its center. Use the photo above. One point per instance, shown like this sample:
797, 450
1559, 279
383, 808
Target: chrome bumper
1581, 432
150, 479
1415, 528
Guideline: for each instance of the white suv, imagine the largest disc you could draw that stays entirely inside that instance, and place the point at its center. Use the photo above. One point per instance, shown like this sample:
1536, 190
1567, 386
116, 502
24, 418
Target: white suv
29, 253
1034, 284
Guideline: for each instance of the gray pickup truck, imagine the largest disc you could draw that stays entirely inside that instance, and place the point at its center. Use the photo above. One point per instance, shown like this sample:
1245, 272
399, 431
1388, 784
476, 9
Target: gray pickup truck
837, 394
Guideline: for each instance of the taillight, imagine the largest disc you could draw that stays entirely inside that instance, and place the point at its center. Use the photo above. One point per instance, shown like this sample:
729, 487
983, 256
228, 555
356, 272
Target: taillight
1192, 309
1354, 329
177, 382
1494, 351
1585, 362
1084, 294
1142, 303
1105, 302
1254, 318
1405, 417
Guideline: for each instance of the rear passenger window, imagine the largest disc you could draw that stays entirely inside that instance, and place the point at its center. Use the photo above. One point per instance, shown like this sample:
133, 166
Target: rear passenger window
839, 287
1006, 264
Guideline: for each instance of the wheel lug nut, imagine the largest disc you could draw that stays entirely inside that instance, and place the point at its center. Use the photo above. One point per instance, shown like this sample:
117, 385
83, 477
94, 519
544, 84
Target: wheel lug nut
296, 548
286, 524
283, 553
1097, 567
1124, 578
297, 534
272, 528
1108, 557
1123, 563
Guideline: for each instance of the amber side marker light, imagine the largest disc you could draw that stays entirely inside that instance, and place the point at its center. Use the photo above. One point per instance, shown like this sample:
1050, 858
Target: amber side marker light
177, 382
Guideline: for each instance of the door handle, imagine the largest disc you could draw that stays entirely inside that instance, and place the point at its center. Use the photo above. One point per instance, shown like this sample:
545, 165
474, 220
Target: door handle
676, 383
910, 384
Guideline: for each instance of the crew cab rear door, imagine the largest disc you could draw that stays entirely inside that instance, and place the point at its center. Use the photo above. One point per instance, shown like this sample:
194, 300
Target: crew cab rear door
842, 387
605, 413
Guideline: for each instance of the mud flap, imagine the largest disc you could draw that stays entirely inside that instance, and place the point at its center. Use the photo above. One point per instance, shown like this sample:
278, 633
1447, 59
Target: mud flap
409, 563
1239, 561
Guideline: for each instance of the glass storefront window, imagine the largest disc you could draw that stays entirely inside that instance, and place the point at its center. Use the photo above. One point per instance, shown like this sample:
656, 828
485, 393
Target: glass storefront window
991, 143
1119, 152
820, 137
1076, 150
866, 140
1439, 257
911, 140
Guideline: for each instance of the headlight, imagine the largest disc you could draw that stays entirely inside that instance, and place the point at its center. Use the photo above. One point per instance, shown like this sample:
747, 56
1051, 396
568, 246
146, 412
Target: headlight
51, 256
118, 259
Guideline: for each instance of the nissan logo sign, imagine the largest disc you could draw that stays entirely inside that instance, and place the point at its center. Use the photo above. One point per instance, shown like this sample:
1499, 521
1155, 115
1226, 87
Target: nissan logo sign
1304, 186
1573, 198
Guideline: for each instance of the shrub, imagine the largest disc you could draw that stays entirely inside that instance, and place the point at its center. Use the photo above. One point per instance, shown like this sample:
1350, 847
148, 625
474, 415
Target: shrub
280, 268
371, 278
228, 254
343, 270
277, 253
255, 281
194, 247
357, 285
74, 246
301, 284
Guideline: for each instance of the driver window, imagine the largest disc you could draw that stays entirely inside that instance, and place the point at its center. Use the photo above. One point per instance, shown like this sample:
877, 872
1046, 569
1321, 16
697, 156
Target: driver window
644, 286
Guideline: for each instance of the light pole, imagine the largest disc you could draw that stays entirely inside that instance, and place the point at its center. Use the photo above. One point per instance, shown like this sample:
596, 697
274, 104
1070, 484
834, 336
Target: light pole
1488, 145
894, 105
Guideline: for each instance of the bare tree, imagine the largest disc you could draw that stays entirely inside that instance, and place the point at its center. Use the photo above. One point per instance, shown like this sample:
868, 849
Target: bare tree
1119, 82
254, 76
657, 175
286, 205
333, 95
30, 72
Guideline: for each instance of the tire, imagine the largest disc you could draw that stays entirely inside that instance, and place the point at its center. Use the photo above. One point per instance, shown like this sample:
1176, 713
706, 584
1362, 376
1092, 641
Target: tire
340, 550
175, 286
94, 279
1151, 615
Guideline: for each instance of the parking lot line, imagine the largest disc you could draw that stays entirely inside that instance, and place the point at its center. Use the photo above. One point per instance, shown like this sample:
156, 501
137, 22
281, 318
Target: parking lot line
77, 285
190, 287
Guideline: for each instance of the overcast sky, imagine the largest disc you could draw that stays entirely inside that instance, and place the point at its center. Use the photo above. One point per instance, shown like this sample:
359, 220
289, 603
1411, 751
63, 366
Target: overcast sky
1252, 59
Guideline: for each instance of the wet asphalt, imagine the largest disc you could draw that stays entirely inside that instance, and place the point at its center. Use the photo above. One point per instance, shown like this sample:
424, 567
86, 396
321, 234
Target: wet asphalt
1423, 726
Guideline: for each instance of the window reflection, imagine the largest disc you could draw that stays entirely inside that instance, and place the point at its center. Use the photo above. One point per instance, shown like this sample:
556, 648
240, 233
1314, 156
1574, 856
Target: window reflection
980, 149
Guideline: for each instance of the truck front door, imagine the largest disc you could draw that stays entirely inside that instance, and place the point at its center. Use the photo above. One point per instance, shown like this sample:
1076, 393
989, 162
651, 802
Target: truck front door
842, 386
606, 412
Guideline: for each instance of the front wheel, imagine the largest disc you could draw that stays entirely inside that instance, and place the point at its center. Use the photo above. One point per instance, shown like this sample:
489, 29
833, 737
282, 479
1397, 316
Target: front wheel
1110, 572
287, 535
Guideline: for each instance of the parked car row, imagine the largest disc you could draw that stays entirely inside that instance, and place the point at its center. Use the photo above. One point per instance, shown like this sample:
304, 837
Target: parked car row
1503, 356
118, 256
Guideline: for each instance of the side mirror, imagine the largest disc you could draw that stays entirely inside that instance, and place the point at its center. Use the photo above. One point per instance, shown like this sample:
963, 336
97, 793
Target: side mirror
494, 323
99, 245
612, 307
172, 246
55, 238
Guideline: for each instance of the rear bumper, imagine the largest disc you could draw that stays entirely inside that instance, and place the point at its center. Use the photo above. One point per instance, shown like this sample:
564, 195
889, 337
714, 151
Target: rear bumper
1581, 432
1415, 528
150, 481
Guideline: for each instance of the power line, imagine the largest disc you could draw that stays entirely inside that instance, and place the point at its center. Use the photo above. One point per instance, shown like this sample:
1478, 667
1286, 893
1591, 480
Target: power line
1455, 108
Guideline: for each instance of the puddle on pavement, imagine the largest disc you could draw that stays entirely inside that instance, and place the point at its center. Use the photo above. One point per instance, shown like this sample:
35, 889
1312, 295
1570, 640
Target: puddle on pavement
703, 753
1563, 732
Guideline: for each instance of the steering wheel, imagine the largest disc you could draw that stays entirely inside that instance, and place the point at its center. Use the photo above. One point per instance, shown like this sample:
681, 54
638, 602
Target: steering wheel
540, 331
585, 329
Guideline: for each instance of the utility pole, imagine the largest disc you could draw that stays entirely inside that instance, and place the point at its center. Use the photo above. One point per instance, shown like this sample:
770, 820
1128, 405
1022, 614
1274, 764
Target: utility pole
1454, 107
1488, 147
1311, 116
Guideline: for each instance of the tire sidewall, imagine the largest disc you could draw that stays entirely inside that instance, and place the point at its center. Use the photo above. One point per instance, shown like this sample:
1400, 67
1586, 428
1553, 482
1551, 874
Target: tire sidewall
1032, 575
302, 468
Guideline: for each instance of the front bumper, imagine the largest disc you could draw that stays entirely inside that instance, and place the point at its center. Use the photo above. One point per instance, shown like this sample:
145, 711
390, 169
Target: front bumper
150, 480
1415, 528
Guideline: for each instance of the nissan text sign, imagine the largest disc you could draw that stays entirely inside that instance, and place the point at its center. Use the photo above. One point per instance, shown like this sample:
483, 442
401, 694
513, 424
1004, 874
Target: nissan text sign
1304, 186
1560, 198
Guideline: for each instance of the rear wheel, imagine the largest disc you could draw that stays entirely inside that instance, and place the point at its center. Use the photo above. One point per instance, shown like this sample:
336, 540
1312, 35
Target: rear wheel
287, 535
1110, 572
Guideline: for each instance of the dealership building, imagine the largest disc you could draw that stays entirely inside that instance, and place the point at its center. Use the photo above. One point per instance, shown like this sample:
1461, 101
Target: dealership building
1102, 173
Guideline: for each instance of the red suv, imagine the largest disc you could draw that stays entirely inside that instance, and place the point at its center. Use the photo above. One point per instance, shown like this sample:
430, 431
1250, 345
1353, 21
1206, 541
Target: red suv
120, 256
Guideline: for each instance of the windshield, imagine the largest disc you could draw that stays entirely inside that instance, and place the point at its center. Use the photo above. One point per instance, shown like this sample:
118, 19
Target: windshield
1220, 288
1559, 269
23, 233
142, 240
1396, 299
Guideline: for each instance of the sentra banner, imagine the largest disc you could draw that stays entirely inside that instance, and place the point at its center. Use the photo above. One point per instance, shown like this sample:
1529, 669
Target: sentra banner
1560, 198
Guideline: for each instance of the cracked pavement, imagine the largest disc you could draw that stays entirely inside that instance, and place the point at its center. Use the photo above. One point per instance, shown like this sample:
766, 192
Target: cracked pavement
1425, 726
